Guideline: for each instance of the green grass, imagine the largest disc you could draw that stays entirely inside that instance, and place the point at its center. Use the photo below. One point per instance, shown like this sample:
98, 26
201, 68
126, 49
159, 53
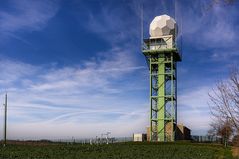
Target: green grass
117, 151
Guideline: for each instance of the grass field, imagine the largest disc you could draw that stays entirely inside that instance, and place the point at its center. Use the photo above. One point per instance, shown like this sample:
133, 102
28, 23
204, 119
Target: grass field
116, 151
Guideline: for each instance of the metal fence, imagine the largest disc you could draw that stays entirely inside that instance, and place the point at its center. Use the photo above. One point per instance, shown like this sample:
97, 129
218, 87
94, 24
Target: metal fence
206, 138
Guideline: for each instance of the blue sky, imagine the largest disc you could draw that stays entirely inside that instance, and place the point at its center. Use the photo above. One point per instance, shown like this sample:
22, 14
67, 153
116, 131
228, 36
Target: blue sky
75, 68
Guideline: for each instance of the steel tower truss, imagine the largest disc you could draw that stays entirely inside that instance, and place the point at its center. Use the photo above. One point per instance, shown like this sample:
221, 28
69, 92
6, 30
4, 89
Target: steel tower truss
162, 57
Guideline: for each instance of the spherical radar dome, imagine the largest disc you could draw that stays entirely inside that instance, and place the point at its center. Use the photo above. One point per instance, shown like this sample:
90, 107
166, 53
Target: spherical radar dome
162, 25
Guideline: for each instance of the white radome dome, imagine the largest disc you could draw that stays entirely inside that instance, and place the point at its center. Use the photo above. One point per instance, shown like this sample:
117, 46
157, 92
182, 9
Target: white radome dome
162, 25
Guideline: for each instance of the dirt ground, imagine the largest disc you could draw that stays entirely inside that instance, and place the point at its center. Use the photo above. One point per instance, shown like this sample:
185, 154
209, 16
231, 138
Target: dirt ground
235, 152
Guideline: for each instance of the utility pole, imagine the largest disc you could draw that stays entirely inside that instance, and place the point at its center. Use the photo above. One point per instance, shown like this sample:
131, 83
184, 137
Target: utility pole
5, 121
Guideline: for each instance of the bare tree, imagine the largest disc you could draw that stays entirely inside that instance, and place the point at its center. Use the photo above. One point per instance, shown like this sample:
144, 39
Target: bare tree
224, 130
224, 104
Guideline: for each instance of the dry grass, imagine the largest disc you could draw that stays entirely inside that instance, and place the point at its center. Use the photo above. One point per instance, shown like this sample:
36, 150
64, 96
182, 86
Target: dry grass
235, 152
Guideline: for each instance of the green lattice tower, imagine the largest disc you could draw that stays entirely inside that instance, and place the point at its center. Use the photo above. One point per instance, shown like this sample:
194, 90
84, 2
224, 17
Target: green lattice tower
162, 56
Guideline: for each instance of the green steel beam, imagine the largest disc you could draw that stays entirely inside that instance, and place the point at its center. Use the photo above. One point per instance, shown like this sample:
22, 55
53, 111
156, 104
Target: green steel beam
158, 119
161, 100
163, 94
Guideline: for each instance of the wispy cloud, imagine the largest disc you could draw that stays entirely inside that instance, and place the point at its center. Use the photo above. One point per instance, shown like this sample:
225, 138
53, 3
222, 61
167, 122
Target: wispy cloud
212, 27
114, 25
193, 108
87, 99
27, 15
75, 95
13, 71
107, 91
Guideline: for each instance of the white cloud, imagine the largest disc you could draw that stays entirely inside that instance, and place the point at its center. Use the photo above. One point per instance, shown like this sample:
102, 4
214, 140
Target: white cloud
210, 27
100, 94
76, 130
27, 15
114, 25
193, 109
12, 71
87, 99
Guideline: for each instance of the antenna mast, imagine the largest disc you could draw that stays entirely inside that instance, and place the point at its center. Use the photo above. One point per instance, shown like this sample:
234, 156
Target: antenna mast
142, 25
